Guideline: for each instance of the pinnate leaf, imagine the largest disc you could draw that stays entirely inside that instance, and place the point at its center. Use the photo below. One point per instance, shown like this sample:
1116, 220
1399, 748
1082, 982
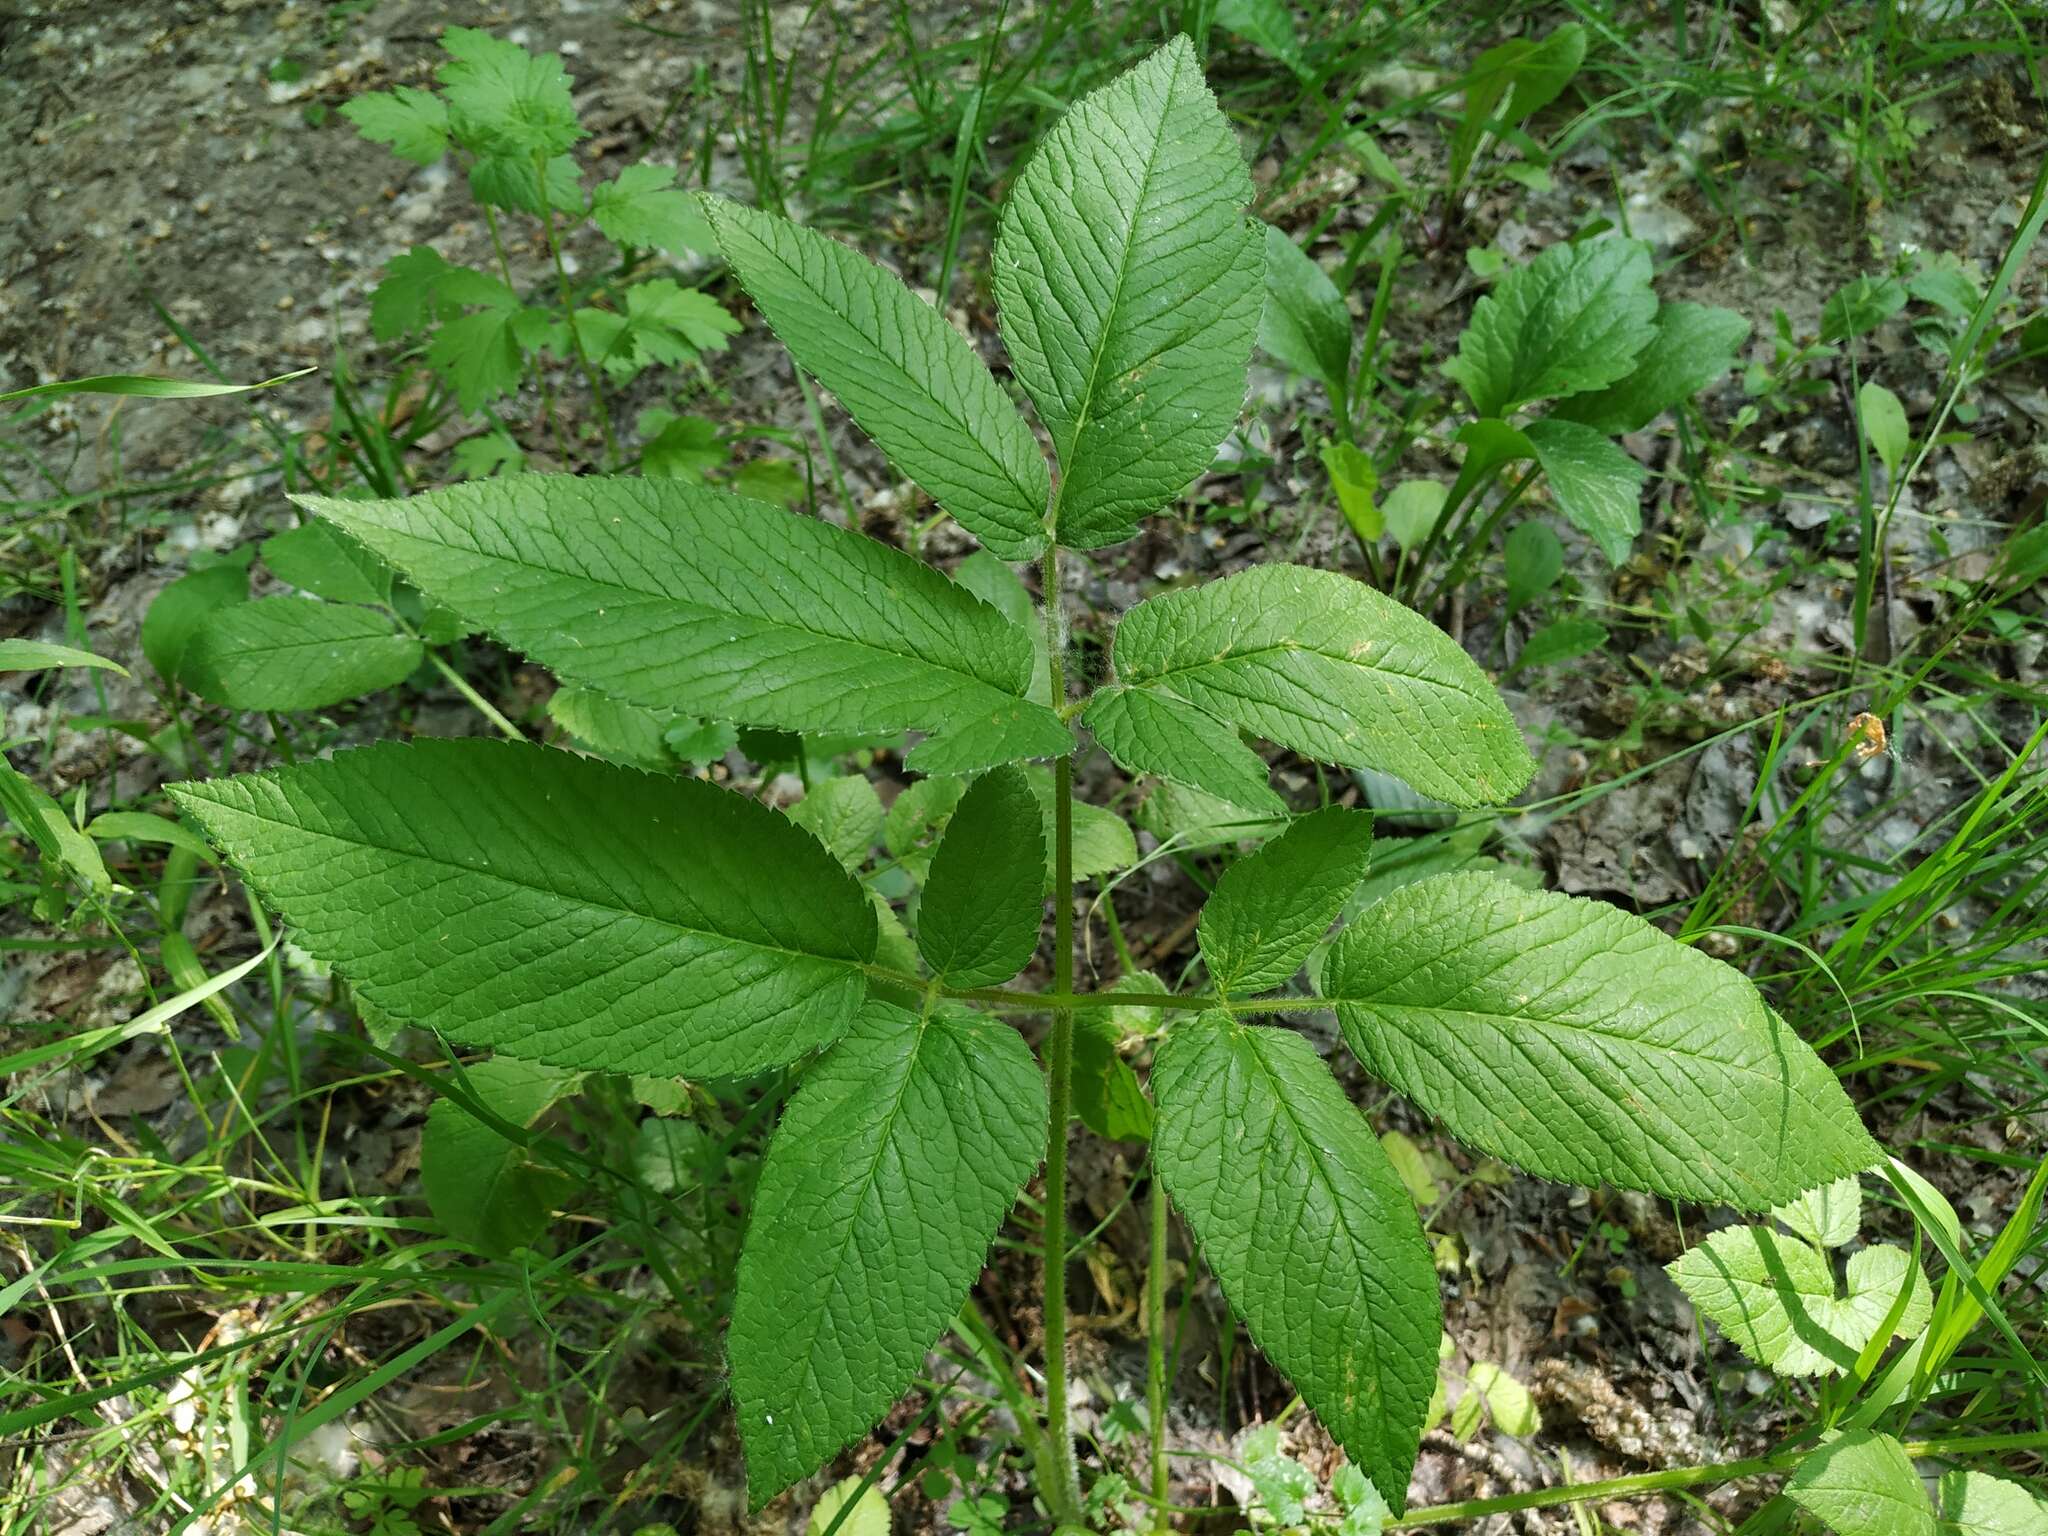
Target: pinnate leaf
1340, 673
1863, 1484
1149, 730
1573, 319
556, 907
1306, 325
291, 653
1578, 1042
412, 121
1130, 284
845, 814
1978, 1504
1597, 485
644, 207
1271, 908
678, 596
485, 1189
505, 100
1307, 1228
984, 902
911, 381
882, 1190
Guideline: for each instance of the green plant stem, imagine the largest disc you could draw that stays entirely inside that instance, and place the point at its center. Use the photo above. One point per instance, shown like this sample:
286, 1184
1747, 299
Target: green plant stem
1480, 542
604, 416
1686, 1477
1155, 1352
483, 705
533, 361
1063, 1498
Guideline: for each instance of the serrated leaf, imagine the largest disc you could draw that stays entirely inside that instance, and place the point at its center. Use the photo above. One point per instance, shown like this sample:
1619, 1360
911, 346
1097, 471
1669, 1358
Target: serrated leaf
1573, 319
413, 122
1130, 285
1560, 642
919, 811
642, 206
1508, 1402
514, 181
479, 355
912, 382
504, 100
1508, 83
984, 901
845, 814
1828, 1215
1978, 1504
1863, 1484
881, 1192
182, 609
1102, 841
483, 1188
556, 907
1338, 672
1597, 485
1578, 1042
1693, 345
1306, 326
1149, 730
288, 653
868, 1517
314, 558
1307, 1229
1107, 1098
1274, 906
679, 596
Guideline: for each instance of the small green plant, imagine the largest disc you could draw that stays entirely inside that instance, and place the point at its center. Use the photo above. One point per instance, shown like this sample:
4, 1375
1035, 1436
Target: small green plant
581, 917
508, 117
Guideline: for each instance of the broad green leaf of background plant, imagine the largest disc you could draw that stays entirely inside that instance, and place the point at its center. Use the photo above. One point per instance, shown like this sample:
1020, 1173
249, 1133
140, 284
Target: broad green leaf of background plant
412, 122
503, 100
483, 1188
644, 208
1411, 509
41, 655
1325, 665
1597, 486
42, 821
883, 1187
1107, 1097
1533, 560
984, 900
287, 653
1863, 1484
1860, 305
1828, 1215
1307, 1228
1305, 326
1510, 83
678, 596
1560, 642
1978, 1504
1130, 284
1576, 1041
912, 382
1775, 1298
1883, 420
314, 558
555, 907
1272, 907
1694, 345
1357, 483
185, 607
868, 1517
1573, 319
1102, 840
845, 814
1149, 730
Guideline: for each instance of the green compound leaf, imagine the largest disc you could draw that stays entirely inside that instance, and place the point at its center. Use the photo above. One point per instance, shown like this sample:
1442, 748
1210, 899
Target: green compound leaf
1334, 670
1305, 326
413, 122
882, 1190
1863, 1484
1828, 1215
556, 907
912, 382
678, 596
1270, 909
1694, 345
290, 653
316, 559
1978, 1504
506, 101
1597, 485
1130, 284
1307, 1228
984, 901
1149, 730
644, 207
1580, 1043
845, 814
1573, 319
1774, 1297
483, 1188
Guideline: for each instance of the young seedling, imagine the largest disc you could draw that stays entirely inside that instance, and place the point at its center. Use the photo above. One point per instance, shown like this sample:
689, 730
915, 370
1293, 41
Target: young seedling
588, 917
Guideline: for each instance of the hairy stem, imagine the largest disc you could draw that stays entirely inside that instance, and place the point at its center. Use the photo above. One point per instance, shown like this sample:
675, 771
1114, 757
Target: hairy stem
1064, 1498
568, 302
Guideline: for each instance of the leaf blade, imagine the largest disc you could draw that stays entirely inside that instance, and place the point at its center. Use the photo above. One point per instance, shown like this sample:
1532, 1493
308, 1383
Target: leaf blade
984, 900
1270, 909
1148, 730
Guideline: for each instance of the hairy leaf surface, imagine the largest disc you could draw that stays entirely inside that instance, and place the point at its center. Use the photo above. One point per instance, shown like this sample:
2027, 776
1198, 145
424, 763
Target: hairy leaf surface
1308, 1229
1271, 908
559, 908
1148, 730
882, 1190
911, 381
1573, 319
1580, 1043
680, 596
1338, 672
1130, 284
984, 902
